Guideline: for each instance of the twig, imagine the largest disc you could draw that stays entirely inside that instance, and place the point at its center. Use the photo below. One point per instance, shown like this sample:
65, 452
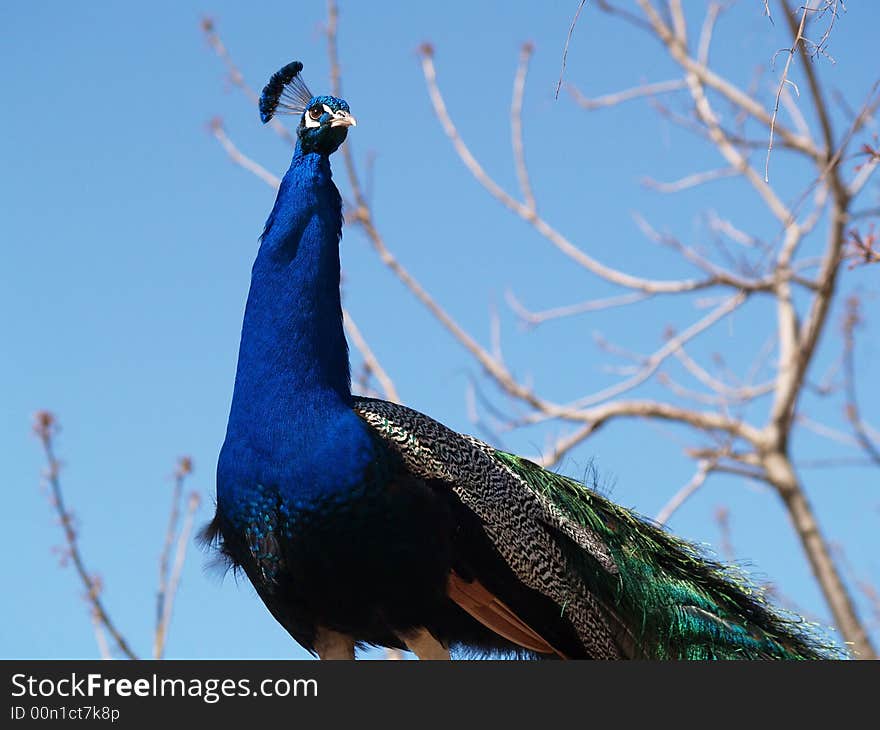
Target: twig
101, 637
866, 213
542, 227
722, 519
629, 17
519, 84
370, 360
473, 414
742, 393
835, 462
45, 427
712, 12
708, 77
794, 111
241, 159
653, 362
533, 319
782, 82
660, 87
565, 444
821, 429
704, 466
192, 507
181, 472
730, 278
867, 589
574, 21
690, 181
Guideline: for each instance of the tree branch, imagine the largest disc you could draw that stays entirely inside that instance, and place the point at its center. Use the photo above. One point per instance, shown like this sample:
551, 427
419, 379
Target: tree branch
704, 466
46, 427
181, 472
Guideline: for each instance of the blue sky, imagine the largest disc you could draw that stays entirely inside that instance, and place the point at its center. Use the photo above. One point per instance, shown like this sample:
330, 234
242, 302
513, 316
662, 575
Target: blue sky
128, 236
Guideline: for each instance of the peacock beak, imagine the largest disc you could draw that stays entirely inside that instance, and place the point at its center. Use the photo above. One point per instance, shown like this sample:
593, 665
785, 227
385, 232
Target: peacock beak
343, 119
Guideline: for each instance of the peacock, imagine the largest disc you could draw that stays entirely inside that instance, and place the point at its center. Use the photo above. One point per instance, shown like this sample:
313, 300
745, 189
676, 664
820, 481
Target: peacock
361, 522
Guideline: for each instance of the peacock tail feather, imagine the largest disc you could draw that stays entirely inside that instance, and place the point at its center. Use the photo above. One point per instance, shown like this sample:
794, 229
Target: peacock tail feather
677, 602
630, 588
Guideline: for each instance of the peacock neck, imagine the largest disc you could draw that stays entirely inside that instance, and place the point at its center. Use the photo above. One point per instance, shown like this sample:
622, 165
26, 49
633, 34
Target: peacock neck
293, 374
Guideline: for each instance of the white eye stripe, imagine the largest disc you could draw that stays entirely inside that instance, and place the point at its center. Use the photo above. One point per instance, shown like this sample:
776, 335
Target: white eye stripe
312, 123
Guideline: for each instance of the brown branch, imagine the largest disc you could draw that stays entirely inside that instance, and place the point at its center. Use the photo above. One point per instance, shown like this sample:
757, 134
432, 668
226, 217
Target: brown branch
637, 92
494, 368
781, 474
629, 17
704, 467
862, 249
819, 103
479, 423
798, 346
181, 472
820, 429
799, 34
564, 444
794, 111
101, 637
241, 159
728, 229
653, 362
46, 427
712, 12
834, 462
363, 217
700, 420
722, 519
183, 538
692, 395
733, 156
719, 274
370, 360
533, 319
708, 77
690, 181
864, 175
519, 84
541, 226
731, 394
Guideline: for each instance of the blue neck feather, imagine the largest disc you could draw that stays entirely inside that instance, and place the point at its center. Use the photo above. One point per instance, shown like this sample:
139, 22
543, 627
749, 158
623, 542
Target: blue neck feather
291, 425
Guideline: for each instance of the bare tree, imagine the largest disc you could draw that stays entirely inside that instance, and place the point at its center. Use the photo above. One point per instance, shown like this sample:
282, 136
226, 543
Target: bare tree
729, 436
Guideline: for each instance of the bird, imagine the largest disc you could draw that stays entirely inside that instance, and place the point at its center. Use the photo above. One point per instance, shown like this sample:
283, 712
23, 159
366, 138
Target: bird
364, 523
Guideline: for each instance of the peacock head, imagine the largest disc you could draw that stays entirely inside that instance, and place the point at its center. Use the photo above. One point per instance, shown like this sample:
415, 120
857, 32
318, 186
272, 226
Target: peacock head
324, 120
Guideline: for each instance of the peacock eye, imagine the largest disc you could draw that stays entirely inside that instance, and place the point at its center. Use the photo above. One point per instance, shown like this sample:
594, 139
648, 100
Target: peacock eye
315, 112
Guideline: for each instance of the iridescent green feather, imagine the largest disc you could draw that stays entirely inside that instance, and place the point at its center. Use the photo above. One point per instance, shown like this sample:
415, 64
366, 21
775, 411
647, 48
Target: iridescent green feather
676, 602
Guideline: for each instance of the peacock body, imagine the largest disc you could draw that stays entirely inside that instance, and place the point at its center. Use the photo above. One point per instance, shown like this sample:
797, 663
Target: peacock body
362, 522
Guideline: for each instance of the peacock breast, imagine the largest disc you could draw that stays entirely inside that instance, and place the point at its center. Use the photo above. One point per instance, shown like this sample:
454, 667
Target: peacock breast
292, 524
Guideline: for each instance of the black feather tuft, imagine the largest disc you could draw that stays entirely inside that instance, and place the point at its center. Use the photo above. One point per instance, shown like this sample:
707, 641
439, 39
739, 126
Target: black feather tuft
286, 90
